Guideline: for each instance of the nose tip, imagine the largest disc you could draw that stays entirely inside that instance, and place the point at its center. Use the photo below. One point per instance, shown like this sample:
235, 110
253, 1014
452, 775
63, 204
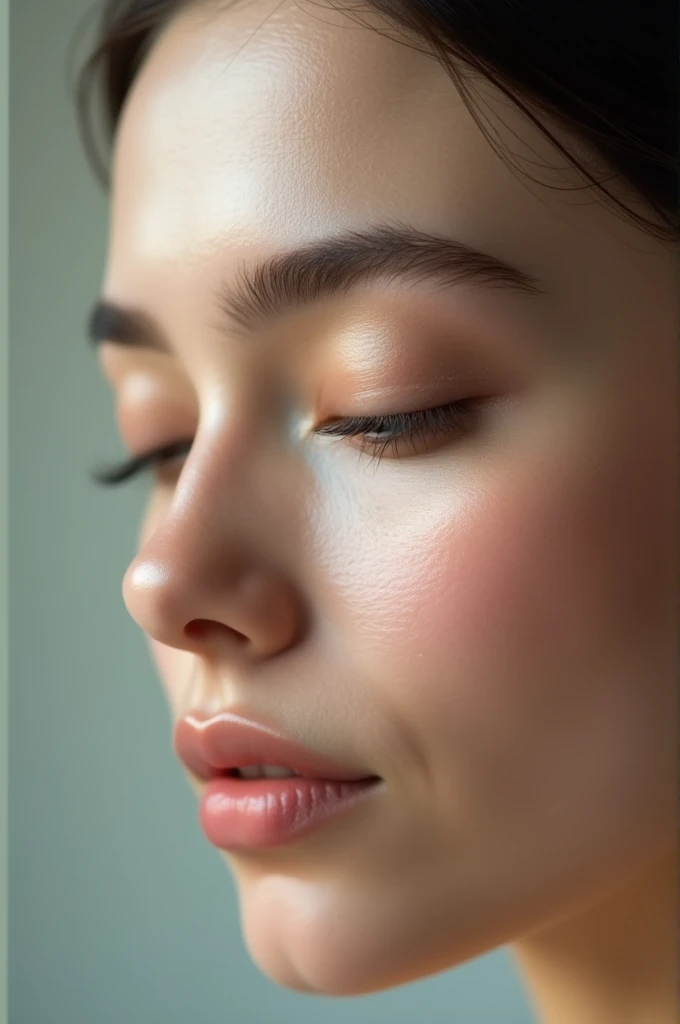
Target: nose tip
212, 612
156, 603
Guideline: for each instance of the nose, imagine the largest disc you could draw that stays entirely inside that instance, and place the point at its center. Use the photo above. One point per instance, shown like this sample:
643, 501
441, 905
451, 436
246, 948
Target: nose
200, 583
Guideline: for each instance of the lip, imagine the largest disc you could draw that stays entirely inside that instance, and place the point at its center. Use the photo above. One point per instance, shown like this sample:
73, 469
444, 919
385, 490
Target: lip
209, 746
247, 814
237, 814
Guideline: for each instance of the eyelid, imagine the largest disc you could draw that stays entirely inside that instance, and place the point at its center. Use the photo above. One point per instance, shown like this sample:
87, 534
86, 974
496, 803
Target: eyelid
148, 413
119, 472
118, 363
456, 417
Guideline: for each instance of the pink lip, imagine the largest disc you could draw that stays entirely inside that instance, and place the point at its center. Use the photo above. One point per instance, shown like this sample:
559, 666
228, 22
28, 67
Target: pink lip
210, 746
239, 814
246, 814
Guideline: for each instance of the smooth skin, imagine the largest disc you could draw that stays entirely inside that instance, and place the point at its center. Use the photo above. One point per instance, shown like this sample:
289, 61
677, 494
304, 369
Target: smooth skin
488, 620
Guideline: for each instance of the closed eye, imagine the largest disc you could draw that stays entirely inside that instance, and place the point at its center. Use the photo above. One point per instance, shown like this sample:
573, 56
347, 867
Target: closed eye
378, 434
119, 473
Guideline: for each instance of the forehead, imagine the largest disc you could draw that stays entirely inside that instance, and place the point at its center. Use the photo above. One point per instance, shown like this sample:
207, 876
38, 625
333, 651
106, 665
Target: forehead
279, 121
255, 127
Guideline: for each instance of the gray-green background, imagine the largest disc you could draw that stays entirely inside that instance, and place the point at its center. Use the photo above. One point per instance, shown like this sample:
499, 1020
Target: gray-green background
119, 909
4, 209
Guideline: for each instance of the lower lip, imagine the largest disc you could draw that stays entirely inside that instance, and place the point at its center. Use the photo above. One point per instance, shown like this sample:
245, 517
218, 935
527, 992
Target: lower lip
246, 814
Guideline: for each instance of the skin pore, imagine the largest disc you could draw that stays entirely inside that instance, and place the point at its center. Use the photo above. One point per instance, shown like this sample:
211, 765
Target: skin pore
487, 620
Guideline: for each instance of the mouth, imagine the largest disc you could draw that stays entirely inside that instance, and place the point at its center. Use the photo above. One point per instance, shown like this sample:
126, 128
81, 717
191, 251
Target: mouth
262, 771
261, 789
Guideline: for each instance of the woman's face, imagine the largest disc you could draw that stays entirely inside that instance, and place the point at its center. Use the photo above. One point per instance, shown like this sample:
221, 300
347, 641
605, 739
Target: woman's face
485, 618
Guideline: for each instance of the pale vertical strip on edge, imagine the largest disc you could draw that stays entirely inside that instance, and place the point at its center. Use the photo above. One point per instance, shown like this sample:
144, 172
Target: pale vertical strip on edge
4, 500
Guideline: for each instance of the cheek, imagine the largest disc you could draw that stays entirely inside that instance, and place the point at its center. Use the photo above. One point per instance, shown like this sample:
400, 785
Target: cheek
522, 639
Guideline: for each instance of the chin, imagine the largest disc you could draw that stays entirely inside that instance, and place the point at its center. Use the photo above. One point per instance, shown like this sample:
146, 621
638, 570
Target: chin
326, 960
314, 938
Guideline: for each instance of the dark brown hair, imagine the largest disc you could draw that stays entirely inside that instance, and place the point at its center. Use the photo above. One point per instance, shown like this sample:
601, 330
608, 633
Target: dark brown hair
604, 71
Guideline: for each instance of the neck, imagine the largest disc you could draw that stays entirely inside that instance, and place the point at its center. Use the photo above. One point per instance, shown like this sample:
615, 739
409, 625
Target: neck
617, 962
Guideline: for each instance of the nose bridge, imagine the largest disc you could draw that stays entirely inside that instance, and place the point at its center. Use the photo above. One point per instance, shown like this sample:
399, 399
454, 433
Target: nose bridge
215, 556
206, 516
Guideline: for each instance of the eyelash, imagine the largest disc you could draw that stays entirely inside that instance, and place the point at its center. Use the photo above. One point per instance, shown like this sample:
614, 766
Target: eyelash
410, 426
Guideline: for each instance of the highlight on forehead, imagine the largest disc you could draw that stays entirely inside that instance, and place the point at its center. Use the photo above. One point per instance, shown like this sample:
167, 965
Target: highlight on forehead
628, 119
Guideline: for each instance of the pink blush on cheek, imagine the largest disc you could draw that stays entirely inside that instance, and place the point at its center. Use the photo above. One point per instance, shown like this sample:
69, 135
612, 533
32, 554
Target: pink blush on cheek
489, 601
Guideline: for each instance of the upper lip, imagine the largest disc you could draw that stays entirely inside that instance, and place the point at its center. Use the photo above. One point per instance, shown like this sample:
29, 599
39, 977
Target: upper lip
211, 745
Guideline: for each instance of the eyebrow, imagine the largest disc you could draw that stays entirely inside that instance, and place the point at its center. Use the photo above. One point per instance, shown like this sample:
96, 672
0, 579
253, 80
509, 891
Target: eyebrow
322, 269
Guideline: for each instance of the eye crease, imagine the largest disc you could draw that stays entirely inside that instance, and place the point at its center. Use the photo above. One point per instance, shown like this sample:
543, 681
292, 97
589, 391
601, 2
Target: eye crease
378, 434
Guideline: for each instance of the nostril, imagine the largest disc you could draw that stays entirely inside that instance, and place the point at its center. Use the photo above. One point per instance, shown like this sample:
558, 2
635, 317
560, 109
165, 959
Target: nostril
202, 629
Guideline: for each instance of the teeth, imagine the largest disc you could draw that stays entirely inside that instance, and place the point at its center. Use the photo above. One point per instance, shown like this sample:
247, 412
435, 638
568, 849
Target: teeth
265, 771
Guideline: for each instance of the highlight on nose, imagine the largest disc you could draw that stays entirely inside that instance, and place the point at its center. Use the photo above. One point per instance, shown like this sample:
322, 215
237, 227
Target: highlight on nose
180, 608
174, 611
160, 603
